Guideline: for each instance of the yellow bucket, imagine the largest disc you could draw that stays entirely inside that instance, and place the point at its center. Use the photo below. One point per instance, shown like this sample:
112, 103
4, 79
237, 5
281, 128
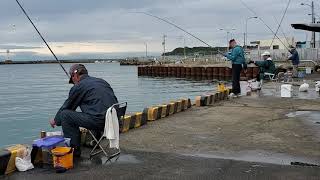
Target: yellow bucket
221, 87
62, 157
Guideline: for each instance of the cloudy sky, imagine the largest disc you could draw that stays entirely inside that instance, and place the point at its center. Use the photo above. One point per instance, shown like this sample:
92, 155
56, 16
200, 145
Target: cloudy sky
110, 28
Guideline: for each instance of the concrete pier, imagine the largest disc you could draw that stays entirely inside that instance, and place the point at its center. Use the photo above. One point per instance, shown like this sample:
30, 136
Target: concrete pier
255, 137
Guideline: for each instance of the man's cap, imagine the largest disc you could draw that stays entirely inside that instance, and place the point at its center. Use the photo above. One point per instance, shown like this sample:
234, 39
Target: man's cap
232, 40
267, 53
75, 68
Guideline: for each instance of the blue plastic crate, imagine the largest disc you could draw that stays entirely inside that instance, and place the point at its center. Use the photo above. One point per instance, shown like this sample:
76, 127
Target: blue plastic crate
48, 142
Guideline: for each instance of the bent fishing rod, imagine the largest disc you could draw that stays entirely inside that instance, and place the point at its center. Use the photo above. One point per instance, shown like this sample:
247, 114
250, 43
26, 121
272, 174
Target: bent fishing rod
283, 33
176, 26
279, 26
251, 10
54, 55
180, 28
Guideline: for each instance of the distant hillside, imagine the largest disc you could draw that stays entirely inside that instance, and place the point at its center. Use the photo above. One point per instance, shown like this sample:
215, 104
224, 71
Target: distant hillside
196, 51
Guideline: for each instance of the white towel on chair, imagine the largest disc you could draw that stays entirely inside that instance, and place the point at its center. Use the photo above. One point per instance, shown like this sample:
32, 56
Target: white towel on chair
111, 128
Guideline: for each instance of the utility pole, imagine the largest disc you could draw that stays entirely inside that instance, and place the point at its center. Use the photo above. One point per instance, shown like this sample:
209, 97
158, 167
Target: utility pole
319, 36
228, 40
313, 45
313, 20
146, 50
184, 50
164, 46
8, 54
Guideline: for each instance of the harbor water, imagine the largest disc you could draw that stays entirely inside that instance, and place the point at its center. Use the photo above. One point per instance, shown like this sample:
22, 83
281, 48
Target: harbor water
30, 95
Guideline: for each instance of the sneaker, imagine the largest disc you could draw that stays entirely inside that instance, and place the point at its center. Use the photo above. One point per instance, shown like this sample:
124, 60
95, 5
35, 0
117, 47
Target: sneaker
232, 95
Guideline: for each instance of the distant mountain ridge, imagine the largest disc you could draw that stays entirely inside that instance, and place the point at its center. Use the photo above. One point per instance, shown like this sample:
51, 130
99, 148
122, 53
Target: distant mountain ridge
196, 51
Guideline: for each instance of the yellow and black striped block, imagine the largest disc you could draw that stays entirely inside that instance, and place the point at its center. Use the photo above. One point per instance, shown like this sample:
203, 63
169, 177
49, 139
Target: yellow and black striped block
159, 113
198, 101
211, 99
204, 100
185, 105
150, 114
216, 97
138, 120
226, 94
125, 124
189, 103
220, 95
172, 107
8, 157
175, 106
132, 122
179, 106
4, 160
165, 110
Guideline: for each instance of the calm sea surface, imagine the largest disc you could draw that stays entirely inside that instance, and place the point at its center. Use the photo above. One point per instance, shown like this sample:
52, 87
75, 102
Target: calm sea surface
31, 94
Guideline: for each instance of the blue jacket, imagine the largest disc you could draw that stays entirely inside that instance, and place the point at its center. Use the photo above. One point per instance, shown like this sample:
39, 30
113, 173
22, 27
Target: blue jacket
94, 96
236, 56
294, 57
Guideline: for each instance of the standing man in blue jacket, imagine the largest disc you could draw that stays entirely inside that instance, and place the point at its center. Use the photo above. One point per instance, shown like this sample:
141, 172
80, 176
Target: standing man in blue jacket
94, 96
295, 60
236, 56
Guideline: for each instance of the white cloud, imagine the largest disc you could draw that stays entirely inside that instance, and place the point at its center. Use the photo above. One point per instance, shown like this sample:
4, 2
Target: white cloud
108, 26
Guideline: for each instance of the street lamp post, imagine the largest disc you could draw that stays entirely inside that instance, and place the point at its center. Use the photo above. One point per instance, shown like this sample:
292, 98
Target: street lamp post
313, 35
246, 33
228, 32
318, 22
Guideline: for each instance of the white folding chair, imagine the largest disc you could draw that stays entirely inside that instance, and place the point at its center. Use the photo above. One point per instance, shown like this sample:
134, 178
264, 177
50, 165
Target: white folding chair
271, 76
121, 111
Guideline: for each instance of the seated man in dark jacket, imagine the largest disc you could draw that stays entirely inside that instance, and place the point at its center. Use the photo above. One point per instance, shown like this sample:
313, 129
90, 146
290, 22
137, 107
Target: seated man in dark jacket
94, 96
265, 66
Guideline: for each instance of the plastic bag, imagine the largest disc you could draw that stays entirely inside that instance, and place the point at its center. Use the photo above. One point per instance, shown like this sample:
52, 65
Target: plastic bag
24, 164
317, 86
304, 87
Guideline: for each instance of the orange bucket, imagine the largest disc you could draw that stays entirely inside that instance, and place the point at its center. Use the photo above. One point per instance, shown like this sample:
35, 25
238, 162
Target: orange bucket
62, 157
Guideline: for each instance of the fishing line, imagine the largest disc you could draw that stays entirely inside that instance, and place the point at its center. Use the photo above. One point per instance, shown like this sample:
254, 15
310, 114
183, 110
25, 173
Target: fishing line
42, 38
251, 10
284, 14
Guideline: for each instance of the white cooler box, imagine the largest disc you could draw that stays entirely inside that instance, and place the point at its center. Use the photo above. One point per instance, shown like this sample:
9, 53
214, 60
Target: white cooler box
286, 90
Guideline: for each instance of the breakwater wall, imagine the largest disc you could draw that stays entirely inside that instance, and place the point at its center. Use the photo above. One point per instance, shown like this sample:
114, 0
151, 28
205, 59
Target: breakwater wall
196, 72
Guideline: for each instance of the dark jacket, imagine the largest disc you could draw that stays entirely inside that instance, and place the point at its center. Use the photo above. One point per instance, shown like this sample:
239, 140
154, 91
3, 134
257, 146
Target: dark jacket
266, 66
294, 57
93, 95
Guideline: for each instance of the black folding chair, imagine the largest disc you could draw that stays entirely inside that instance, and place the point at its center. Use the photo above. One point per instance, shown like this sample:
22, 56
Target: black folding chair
121, 111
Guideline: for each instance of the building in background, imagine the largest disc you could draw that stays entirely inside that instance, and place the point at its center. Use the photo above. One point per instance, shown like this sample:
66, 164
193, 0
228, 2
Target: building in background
283, 43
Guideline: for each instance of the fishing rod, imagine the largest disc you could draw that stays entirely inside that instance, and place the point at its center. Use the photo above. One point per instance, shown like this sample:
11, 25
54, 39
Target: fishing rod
25, 13
171, 23
180, 28
281, 29
279, 26
251, 10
